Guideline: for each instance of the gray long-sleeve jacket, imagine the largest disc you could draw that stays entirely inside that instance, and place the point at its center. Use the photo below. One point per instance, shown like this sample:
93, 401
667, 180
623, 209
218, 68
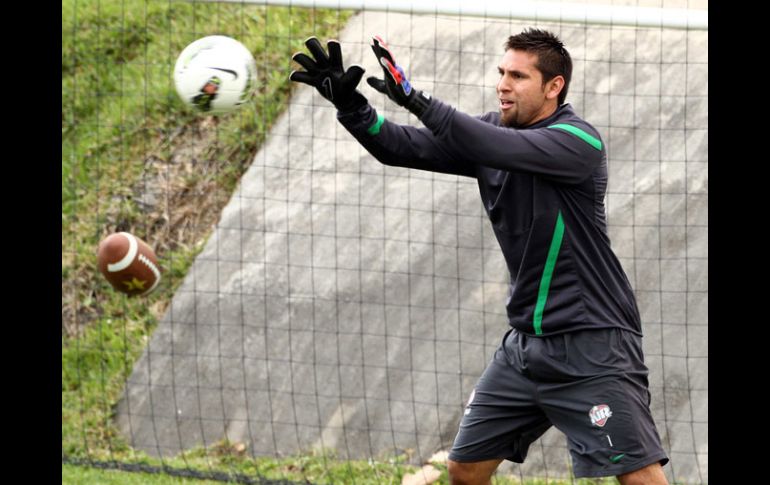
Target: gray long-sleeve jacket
543, 188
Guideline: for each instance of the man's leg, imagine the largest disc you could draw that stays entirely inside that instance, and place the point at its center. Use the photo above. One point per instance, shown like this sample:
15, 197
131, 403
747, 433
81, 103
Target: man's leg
605, 409
649, 475
501, 419
472, 473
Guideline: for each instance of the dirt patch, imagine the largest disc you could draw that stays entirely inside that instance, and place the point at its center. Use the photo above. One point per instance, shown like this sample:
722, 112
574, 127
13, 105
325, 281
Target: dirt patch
174, 204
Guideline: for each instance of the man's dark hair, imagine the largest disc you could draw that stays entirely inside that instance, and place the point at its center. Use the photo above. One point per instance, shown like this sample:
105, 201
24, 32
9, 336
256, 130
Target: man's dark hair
552, 58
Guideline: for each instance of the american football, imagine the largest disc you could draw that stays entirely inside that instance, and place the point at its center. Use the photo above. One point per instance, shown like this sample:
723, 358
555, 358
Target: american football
128, 263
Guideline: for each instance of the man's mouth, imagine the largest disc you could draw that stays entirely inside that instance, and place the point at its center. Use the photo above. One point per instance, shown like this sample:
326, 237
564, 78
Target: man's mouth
505, 104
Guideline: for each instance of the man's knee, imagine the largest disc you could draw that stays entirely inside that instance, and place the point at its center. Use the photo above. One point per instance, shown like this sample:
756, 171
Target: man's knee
649, 475
465, 474
471, 473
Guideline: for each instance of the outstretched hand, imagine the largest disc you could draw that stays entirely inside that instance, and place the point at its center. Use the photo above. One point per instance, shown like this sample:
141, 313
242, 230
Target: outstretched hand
395, 84
327, 75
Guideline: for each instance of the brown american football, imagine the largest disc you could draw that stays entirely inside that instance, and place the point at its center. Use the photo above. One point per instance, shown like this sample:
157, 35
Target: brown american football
128, 263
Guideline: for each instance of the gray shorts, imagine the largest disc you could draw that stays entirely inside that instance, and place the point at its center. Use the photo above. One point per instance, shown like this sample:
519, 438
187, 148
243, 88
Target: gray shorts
591, 384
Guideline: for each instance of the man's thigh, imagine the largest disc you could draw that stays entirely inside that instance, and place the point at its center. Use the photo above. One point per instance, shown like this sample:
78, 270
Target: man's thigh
502, 417
607, 418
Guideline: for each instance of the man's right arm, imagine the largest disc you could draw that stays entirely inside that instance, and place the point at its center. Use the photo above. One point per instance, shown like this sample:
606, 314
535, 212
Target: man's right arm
391, 144
401, 145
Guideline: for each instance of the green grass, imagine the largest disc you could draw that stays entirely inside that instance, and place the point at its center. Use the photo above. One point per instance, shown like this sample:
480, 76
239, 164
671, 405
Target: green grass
81, 475
309, 468
312, 467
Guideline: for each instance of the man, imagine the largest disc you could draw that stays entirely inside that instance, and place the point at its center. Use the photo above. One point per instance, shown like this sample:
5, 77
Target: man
573, 357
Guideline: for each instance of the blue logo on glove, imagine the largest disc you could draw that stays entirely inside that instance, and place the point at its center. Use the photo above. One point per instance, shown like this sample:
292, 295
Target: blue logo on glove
404, 81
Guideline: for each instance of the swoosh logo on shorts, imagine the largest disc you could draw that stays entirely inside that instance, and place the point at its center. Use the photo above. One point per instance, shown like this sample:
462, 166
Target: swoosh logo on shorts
617, 458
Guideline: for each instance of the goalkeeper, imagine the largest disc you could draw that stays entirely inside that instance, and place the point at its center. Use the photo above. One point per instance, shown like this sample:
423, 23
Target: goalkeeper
573, 355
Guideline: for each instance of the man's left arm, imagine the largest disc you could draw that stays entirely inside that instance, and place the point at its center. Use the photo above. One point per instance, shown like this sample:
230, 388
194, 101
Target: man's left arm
563, 152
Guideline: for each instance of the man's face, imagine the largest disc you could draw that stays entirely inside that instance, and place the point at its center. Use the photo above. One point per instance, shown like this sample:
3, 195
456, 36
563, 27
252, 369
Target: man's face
523, 98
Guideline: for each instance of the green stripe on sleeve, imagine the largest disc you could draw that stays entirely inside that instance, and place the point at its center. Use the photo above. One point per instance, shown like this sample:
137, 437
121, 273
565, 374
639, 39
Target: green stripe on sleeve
545, 280
375, 128
593, 141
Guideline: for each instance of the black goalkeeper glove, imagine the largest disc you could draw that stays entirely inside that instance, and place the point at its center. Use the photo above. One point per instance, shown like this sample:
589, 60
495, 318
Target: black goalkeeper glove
328, 76
396, 85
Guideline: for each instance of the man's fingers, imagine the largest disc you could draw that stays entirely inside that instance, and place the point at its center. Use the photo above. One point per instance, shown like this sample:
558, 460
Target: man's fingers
335, 54
353, 76
395, 74
302, 77
377, 84
317, 50
382, 49
305, 61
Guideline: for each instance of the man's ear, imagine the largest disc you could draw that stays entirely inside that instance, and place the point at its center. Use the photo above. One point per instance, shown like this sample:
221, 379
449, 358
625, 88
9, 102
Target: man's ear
554, 87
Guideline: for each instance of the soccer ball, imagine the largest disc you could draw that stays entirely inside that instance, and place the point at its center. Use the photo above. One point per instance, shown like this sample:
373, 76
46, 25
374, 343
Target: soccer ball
215, 74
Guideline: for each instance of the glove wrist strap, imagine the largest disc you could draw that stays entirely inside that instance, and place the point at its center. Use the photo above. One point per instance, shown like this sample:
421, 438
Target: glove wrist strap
418, 103
355, 101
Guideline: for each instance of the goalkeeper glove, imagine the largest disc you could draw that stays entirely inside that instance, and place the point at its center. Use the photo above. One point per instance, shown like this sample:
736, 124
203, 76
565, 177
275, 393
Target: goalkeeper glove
327, 75
395, 84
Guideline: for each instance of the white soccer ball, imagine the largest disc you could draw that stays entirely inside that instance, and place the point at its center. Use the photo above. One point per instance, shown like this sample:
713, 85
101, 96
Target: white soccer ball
215, 74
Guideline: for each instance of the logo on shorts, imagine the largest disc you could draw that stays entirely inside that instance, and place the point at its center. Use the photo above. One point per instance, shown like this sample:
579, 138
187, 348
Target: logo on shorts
617, 458
599, 414
470, 400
